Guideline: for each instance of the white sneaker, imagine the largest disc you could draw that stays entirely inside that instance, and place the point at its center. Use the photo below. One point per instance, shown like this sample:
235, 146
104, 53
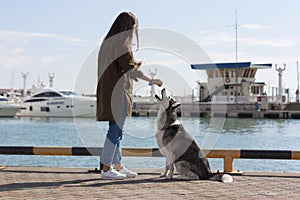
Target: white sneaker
112, 174
128, 173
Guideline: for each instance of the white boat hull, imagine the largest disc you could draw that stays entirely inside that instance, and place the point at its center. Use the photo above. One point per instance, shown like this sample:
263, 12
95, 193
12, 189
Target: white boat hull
59, 107
8, 110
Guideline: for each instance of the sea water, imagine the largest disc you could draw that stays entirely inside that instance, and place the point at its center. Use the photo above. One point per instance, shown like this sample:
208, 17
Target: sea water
228, 133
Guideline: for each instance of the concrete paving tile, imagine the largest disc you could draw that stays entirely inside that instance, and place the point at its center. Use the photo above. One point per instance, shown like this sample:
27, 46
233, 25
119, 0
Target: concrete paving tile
62, 183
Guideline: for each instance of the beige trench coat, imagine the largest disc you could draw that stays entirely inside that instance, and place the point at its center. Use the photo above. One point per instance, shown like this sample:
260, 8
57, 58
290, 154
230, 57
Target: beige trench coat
115, 83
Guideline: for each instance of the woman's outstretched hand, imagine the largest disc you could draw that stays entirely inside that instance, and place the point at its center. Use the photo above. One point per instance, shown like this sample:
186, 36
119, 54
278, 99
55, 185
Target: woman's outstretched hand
157, 82
138, 64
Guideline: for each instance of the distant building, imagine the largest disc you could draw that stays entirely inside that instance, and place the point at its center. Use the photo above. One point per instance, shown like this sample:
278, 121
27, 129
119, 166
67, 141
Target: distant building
230, 82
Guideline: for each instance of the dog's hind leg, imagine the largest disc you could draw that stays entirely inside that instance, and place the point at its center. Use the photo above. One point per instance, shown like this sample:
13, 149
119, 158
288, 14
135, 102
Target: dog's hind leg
184, 170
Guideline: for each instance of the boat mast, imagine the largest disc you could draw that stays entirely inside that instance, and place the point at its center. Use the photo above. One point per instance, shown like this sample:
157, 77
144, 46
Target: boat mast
297, 92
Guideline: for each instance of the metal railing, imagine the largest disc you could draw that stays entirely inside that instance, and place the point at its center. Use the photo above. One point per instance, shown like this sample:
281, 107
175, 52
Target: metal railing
228, 155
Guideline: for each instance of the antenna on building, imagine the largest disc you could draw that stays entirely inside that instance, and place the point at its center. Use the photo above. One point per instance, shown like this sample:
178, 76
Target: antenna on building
236, 27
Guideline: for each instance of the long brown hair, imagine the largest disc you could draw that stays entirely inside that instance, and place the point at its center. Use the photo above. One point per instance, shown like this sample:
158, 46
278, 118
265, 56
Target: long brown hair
118, 41
125, 22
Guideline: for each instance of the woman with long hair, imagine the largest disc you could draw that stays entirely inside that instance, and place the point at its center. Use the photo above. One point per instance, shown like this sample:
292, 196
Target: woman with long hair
117, 69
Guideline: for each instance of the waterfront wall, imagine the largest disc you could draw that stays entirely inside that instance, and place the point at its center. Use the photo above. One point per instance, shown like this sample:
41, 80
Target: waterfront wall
207, 110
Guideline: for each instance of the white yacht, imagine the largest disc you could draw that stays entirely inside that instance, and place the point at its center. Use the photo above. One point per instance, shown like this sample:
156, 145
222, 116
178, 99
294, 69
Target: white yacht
7, 109
48, 102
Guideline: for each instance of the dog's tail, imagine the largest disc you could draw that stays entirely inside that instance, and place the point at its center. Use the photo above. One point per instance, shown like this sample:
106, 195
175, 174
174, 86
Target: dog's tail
225, 178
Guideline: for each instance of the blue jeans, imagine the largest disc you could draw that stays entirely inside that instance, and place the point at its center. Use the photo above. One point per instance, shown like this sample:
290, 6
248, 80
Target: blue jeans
112, 152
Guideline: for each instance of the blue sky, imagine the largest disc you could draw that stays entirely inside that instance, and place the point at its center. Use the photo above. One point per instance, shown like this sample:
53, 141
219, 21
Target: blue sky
58, 36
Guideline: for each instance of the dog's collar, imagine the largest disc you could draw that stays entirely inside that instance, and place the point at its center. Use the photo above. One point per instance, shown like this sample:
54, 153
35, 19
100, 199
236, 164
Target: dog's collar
176, 123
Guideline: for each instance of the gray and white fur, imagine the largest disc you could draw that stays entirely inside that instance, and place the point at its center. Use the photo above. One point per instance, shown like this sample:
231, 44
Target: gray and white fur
179, 148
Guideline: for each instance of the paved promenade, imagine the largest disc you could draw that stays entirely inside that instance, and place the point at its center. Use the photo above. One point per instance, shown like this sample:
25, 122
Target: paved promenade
62, 183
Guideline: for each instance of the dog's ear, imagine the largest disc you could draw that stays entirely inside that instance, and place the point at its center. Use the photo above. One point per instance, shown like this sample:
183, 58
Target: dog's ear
157, 98
175, 105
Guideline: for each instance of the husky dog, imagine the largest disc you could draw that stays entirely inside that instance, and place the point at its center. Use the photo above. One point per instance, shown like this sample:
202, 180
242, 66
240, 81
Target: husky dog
179, 148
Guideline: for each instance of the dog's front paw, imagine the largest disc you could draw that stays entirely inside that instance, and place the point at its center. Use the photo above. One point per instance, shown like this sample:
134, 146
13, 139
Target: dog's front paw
165, 174
169, 176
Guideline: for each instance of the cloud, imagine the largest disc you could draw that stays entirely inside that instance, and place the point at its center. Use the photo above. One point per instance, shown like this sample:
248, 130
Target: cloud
21, 49
49, 59
272, 42
12, 56
39, 53
216, 39
254, 26
32, 35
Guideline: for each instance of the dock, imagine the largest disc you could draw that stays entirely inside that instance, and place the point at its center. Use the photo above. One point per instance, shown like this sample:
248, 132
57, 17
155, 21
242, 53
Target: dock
218, 110
73, 183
